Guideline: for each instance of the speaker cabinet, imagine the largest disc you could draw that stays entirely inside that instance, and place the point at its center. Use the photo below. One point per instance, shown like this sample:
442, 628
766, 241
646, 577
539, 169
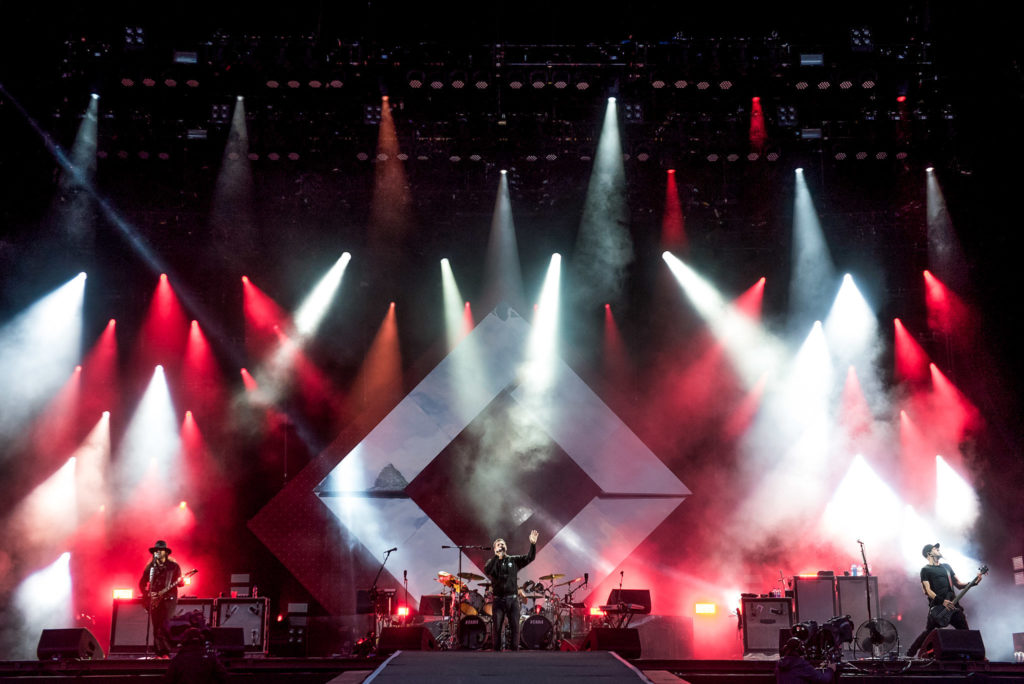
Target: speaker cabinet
815, 598
763, 618
953, 644
852, 599
57, 644
129, 623
625, 641
405, 639
249, 614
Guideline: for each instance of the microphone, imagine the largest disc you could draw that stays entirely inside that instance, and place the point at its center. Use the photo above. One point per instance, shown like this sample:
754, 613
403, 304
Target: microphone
394, 548
860, 542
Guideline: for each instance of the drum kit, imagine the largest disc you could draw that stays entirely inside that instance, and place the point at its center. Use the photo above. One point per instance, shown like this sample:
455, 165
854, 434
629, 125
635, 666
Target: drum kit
549, 621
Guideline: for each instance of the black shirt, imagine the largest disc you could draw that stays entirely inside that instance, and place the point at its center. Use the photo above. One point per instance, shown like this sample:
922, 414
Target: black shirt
937, 578
165, 575
503, 572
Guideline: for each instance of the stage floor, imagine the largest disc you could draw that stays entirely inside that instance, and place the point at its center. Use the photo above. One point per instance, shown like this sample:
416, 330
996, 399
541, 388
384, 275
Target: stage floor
532, 667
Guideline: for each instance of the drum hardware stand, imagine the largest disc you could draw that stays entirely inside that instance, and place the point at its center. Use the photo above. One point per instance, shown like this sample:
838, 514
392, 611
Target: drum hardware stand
454, 632
568, 605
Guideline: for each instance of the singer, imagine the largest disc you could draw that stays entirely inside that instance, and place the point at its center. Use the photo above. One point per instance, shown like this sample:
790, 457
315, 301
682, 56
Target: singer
503, 569
159, 585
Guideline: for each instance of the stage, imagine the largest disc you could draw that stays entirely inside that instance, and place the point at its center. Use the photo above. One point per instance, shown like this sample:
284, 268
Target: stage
537, 667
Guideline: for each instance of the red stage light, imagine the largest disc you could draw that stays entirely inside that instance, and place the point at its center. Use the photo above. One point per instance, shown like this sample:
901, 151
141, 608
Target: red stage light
672, 171
704, 608
182, 505
111, 323
280, 618
123, 594
245, 279
901, 98
597, 612
403, 611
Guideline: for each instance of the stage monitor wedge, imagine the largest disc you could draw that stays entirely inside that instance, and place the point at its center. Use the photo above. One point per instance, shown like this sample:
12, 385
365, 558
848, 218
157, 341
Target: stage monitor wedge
953, 644
77, 643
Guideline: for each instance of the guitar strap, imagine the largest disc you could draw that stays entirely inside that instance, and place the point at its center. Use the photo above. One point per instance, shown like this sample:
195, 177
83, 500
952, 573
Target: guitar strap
950, 578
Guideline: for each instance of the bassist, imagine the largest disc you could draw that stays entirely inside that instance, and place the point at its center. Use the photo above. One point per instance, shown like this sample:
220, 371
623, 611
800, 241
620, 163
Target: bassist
939, 583
159, 585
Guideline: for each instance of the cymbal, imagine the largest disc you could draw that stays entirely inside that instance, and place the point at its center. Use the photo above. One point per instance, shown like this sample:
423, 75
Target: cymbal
452, 582
471, 576
553, 576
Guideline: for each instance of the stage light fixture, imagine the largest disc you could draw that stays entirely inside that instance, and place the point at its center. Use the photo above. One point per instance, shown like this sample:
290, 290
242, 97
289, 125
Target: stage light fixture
703, 85
123, 594
704, 608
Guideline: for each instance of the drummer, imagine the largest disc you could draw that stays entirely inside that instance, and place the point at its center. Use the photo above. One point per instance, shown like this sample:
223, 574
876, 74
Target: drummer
502, 569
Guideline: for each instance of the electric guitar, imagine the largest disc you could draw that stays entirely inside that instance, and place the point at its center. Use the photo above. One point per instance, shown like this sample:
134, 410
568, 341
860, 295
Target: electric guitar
941, 615
153, 598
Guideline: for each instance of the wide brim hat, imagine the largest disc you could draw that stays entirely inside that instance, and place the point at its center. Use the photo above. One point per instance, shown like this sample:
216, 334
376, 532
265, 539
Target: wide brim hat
160, 545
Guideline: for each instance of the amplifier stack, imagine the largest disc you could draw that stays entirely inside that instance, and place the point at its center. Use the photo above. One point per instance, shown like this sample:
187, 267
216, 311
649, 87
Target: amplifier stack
130, 630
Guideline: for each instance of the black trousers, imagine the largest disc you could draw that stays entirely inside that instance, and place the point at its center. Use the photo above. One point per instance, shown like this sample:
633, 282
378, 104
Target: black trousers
161, 616
958, 620
506, 607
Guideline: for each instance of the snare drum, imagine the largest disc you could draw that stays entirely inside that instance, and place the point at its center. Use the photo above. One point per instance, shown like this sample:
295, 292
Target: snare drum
472, 632
535, 632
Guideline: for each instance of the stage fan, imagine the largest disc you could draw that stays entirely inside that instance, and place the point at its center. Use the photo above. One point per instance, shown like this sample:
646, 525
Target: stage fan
876, 637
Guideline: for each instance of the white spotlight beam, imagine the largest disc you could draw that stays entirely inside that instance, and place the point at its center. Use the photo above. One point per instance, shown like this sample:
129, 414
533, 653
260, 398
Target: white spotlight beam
313, 309
542, 345
151, 440
752, 351
44, 601
812, 263
38, 350
956, 503
851, 327
454, 308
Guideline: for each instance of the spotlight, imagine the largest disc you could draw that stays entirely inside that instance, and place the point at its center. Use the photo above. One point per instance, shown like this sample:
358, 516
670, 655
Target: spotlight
930, 169
95, 96
505, 171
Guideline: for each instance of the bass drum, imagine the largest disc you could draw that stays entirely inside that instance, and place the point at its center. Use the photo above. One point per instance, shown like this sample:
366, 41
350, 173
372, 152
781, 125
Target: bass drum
535, 632
472, 632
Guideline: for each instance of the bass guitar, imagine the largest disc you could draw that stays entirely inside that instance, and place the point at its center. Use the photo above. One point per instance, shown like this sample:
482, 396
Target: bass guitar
153, 598
941, 615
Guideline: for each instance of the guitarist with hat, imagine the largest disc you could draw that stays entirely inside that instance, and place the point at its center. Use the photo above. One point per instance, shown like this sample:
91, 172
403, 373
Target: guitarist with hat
939, 583
159, 585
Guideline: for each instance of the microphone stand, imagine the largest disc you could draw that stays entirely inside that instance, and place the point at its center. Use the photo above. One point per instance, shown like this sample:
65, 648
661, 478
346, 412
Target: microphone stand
147, 607
876, 636
373, 597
